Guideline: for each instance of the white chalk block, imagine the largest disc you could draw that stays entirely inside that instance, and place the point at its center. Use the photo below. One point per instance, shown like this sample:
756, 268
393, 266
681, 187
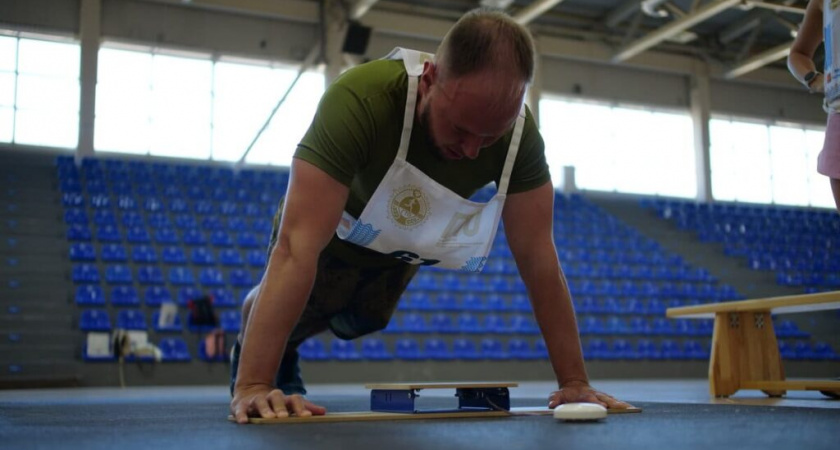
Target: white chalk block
580, 411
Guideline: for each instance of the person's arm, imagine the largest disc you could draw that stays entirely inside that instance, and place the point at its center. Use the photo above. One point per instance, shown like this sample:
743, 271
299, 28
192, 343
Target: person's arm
528, 220
313, 207
801, 58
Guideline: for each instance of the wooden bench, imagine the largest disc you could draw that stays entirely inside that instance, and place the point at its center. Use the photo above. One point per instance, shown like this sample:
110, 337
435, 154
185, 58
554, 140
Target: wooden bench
745, 353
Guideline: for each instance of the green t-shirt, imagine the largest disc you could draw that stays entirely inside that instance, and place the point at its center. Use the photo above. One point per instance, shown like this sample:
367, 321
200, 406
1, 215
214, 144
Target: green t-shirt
355, 135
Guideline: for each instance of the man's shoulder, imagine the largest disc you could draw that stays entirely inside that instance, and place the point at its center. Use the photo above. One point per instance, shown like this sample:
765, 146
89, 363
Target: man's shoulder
374, 79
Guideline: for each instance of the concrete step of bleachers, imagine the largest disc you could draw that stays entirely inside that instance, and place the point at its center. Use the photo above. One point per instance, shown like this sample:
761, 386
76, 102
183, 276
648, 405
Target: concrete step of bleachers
32, 226
39, 337
58, 351
27, 245
39, 374
18, 306
46, 322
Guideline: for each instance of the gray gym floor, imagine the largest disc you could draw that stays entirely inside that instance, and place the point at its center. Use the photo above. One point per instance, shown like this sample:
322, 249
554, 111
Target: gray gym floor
677, 414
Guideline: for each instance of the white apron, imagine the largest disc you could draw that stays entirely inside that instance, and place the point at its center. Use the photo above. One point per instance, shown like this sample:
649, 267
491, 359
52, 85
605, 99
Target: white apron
832, 55
413, 218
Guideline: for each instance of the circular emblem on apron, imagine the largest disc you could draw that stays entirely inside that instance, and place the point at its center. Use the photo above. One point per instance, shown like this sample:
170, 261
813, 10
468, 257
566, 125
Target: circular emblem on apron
408, 207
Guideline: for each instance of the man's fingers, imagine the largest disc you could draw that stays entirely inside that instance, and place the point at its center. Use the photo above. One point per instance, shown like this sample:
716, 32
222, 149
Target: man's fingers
297, 407
316, 410
278, 402
241, 413
260, 404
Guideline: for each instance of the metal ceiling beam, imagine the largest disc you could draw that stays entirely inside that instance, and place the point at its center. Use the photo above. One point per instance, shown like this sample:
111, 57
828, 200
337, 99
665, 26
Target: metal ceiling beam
673, 28
360, 8
760, 60
741, 26
534, 10
298, 10
621, 13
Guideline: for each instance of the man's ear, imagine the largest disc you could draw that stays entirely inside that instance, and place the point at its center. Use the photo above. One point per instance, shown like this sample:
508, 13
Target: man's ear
428, 77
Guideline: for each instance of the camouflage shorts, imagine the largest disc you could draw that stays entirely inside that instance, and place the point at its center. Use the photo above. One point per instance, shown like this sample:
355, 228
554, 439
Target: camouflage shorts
349, 300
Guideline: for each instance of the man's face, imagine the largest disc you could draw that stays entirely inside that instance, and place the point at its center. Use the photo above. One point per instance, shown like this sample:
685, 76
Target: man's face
468, 113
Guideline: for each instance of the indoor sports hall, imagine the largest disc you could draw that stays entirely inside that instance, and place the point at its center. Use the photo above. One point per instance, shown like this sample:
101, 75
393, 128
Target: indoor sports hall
145, 146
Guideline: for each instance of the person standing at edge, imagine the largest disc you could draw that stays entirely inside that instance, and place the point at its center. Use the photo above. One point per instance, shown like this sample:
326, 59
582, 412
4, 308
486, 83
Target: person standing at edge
378, 187
819, 25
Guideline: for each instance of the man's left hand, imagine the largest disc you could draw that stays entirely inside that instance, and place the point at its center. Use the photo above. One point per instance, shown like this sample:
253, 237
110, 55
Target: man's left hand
580, 392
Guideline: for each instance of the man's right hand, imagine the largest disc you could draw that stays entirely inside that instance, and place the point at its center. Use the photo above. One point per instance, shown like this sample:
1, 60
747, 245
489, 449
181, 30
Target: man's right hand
267, 402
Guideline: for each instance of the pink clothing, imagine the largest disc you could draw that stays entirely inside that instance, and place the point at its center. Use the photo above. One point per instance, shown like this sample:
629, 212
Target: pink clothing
828, 163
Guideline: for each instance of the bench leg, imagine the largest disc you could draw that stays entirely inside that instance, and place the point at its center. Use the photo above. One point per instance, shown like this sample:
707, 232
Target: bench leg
744, 348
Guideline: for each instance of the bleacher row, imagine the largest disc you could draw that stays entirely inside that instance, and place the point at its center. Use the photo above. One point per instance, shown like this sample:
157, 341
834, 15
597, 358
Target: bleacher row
175, 349
799, 244
144, 234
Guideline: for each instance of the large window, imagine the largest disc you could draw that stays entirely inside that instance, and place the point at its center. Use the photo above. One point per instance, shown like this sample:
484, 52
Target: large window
754, 161
39, 90
191, 106
620, 148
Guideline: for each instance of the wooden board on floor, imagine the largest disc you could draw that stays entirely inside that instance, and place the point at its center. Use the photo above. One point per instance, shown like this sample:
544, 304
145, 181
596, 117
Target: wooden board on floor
367, 416
462, 385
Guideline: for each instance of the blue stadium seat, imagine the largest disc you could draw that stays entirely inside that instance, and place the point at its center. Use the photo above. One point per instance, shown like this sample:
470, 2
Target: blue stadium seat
181, 276
82, 251
194, 237
173, 255
520, 349
174, 350
436, 349
414, 323
342, 350
166, 236
445, 301
495, 324
472, 302
240, 278
157, 221
824, 351
523, 324
118, 274
231, 257
520, 303
212, 223
662, 327
465, 349
596, 349
90, 295
237, 224
223, 298
202, 256
647, 349
94, 320
211, 277
85, 273
256, 258
113, 253
248, 239
313, 349
124, 296
230, 320
185, 294
671, 350
373, 349
108, 233
622, 349
220, 238
176, 327
148, 275
153, 205
131, 319
469, 323
442, 323
144, 254
155, 295
79, 232
408, 349
496, 303
134, 222
493, 349
695, 350
416, 301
